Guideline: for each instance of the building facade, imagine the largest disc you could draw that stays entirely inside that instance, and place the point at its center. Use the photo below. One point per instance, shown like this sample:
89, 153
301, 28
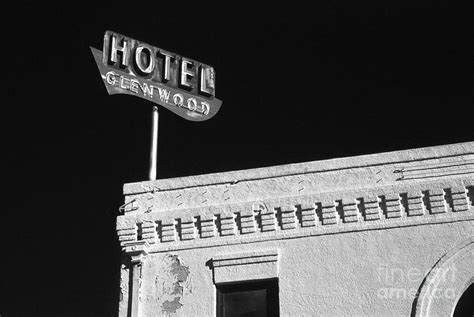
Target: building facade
381, 234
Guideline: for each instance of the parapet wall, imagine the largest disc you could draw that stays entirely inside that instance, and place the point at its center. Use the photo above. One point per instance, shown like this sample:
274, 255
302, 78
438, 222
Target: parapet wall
403, 188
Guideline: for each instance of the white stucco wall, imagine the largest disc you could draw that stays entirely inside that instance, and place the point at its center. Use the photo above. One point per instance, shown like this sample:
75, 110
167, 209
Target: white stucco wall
353, 236
370, 273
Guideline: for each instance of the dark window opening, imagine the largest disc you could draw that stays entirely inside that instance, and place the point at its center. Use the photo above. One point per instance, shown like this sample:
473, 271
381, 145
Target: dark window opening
139, 231
248, 299
465, 305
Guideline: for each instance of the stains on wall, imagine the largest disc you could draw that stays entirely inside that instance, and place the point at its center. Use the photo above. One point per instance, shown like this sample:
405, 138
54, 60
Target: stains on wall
179, 273
124, 282
124, 290
170, 282
170, 307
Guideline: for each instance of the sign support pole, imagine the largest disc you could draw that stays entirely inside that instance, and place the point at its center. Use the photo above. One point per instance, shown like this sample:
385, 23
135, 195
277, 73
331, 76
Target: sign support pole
154, 144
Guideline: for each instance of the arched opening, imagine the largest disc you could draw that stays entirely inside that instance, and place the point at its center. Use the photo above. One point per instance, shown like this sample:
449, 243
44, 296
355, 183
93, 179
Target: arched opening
451, 276
465, 305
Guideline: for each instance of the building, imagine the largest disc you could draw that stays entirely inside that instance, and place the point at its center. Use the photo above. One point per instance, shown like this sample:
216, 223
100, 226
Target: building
383, 234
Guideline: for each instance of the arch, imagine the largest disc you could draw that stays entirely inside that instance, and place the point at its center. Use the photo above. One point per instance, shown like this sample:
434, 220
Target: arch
446, 282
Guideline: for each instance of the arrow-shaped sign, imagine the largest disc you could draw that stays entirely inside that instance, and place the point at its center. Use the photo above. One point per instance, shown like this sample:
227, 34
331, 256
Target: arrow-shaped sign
181, 85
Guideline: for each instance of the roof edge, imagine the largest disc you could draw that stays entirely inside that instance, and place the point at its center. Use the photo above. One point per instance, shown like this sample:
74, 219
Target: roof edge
352, 162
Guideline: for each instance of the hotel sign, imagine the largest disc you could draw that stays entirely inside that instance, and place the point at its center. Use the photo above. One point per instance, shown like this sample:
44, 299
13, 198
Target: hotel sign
182, 85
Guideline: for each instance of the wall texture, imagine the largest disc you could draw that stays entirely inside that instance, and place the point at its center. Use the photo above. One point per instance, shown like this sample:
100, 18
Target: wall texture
367, 235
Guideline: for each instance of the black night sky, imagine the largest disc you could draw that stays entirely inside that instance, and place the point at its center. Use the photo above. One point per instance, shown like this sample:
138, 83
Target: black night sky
334, 80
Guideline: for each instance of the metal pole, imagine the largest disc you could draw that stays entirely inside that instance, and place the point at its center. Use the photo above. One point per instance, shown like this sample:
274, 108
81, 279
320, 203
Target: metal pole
154, 144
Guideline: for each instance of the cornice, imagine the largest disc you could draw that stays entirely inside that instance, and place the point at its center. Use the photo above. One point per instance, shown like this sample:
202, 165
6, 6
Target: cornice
302, 216
388, 190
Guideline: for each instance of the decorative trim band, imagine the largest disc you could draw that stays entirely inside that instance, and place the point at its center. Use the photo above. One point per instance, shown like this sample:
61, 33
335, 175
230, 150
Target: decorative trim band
245, 258
245, 266
299, 216
443, 169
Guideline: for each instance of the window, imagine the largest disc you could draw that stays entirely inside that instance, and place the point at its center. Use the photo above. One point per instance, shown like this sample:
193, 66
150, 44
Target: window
465, 305
248, 299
